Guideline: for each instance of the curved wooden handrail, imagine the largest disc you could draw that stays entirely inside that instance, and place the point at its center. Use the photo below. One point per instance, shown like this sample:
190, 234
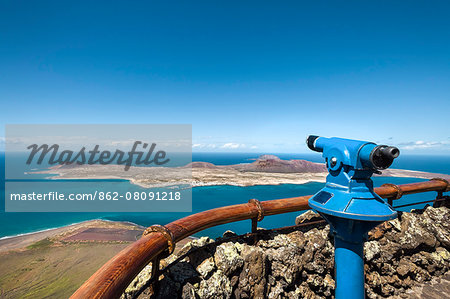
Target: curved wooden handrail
112, 278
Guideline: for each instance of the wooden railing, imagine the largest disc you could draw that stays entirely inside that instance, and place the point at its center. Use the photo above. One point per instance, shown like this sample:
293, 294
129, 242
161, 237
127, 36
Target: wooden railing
112, 278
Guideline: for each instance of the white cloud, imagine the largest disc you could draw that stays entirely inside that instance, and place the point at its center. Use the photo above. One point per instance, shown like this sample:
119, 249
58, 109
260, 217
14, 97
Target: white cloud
122, 142
222, 146
232, 145
204, 145
420, 144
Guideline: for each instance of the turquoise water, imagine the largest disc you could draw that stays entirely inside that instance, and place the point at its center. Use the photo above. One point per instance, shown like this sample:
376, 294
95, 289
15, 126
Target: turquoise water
205, 198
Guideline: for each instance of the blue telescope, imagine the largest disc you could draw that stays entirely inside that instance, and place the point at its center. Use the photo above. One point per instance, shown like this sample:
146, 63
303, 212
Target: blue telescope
350, 205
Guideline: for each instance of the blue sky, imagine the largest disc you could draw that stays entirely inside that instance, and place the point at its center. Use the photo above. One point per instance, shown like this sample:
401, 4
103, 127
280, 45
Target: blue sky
248, 75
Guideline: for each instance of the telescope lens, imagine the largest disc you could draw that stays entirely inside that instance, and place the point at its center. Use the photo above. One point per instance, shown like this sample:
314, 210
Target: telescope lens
382, 156
393, 151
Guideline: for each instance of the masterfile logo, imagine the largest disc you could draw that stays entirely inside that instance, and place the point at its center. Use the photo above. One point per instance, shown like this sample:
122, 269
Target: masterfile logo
94, 156
98, 168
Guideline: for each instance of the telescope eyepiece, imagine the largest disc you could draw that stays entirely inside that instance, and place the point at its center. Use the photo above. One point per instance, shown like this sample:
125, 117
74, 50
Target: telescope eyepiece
382, 156
310, 142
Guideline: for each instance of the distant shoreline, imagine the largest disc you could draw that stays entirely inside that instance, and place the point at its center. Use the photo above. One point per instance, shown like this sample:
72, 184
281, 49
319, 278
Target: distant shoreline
266, 170
288, 179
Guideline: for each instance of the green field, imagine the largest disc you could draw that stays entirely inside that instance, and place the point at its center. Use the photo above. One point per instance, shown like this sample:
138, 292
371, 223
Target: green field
48, 270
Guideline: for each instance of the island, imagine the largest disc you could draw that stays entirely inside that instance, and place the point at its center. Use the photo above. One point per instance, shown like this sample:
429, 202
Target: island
266, 170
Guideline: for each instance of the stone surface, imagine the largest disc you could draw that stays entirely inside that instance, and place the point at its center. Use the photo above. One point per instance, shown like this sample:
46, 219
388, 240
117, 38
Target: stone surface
227, 257
404, 258
307, 216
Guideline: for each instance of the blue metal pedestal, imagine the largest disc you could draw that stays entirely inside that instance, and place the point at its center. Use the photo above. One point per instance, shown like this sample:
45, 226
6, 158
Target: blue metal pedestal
349, 269
349, 238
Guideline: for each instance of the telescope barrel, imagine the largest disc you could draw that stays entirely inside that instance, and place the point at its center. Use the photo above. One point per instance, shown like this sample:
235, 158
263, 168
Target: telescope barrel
377, 157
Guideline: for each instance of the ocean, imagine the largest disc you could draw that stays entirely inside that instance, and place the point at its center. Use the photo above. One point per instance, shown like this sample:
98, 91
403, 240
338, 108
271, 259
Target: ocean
204, 198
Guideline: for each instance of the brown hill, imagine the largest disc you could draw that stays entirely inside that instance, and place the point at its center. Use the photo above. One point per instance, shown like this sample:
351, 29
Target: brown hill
202, 165
270, 163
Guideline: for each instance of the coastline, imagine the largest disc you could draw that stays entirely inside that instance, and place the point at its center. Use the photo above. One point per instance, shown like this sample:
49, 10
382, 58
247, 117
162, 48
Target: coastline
65, 225
298, 181
62, 257
54, 230
267, 170
15, 242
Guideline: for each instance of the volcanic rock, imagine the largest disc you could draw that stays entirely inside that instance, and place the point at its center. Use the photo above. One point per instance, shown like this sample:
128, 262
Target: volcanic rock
403, 258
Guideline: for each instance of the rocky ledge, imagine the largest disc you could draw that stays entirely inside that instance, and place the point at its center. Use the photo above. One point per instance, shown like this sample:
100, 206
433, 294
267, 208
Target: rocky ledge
403, 258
